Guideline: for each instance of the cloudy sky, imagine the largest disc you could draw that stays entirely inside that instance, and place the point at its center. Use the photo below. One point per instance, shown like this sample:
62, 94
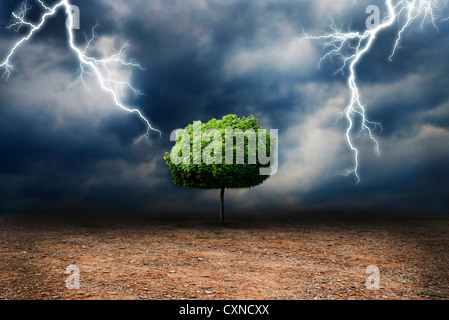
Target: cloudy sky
66, 149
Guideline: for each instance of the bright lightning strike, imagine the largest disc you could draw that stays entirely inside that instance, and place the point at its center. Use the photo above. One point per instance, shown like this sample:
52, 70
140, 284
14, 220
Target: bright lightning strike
99, 68
350, 47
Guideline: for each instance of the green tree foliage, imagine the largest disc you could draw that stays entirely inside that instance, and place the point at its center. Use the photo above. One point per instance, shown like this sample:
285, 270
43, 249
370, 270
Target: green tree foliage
231, 153
194, 174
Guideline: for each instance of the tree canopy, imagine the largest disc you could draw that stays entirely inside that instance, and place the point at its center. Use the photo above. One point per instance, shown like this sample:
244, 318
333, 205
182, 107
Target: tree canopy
228, 153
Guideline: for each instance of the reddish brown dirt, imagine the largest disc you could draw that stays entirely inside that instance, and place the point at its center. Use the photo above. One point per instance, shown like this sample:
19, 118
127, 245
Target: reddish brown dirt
138, 258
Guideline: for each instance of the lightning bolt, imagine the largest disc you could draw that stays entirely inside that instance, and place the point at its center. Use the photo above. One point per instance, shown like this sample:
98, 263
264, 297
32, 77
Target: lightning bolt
350, 47
99, 68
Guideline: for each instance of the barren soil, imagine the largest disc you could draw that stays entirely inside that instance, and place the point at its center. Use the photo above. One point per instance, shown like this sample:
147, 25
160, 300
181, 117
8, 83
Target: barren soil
139, 258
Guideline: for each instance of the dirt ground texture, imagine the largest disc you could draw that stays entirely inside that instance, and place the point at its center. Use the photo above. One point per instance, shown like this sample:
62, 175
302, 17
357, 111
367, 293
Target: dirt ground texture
140, 258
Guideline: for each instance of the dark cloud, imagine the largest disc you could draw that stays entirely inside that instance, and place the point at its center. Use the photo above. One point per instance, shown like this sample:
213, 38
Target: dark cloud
64, 149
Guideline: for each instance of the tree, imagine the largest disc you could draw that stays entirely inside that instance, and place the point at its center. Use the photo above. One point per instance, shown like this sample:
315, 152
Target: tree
230, 153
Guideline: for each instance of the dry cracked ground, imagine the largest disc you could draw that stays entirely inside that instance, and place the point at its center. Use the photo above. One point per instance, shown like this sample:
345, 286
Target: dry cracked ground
140, 258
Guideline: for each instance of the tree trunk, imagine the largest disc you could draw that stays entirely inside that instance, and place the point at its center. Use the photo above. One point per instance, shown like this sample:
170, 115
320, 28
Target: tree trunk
222, 205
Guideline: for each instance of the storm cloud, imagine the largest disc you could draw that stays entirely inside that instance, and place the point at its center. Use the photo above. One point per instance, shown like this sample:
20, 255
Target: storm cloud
66, 149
